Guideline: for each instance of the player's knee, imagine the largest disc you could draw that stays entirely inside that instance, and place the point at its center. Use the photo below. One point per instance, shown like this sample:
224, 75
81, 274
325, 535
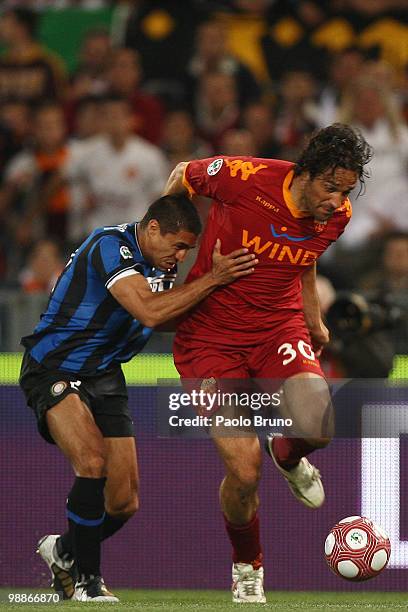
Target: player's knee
319, 442
92, 465
248, 476
125, 508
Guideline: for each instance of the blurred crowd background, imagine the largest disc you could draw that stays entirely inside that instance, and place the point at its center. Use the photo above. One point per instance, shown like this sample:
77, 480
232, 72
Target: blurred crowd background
99, 101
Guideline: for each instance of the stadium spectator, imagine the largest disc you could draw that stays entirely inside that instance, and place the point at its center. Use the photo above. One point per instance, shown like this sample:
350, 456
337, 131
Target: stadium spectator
14, 129
211, 56
124, 79
269, 326
384, 204
237, 142
180, 140
27, 70
344, 68
216, 109
43, 268
111, 294
294, 40
120, 172
163, 33
294, 114
94, 57
87, 119
33, 205
259, 120
90, 76
387, 283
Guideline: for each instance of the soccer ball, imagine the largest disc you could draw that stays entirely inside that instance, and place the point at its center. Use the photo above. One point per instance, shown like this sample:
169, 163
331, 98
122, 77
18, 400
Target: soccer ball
357, 549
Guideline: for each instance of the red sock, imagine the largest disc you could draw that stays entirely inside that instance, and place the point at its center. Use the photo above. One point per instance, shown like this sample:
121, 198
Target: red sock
289, 451
245, 542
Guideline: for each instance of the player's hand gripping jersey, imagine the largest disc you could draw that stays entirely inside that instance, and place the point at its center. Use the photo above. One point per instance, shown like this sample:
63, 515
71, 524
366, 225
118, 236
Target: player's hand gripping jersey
84, 329
253, 208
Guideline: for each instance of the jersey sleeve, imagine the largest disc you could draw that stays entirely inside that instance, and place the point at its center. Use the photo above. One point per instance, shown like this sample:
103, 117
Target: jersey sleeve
221, 178
112, 259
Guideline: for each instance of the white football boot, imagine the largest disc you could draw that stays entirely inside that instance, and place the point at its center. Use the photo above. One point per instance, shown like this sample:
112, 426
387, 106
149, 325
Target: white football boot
93, 589
303, 480
63, 571
247, 584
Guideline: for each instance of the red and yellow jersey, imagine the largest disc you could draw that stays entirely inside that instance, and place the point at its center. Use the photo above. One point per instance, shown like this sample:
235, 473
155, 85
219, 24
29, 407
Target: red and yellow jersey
252, 207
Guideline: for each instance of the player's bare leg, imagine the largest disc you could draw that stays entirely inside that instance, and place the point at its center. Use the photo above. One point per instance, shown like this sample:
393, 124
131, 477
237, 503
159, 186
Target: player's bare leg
122, 484
307, 402
239, 501
73, 428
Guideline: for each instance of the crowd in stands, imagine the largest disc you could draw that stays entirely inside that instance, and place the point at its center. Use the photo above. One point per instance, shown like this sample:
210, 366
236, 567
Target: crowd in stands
172, 81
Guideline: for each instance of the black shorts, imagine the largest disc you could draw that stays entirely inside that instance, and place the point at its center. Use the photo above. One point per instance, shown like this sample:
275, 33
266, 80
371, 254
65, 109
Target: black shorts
105, 395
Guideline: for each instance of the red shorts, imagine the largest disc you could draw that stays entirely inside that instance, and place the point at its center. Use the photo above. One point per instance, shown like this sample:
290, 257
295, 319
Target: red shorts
284, 351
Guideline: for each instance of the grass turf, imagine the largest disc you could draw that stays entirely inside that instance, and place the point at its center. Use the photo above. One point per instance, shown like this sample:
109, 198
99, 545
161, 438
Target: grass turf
207, 601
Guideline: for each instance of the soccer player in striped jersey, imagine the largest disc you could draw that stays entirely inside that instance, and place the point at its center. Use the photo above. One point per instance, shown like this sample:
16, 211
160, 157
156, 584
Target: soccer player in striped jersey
268, 326
115, 288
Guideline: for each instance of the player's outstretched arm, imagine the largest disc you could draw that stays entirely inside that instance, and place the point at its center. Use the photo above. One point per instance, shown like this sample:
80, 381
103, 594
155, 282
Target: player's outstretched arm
152, 309
175, 183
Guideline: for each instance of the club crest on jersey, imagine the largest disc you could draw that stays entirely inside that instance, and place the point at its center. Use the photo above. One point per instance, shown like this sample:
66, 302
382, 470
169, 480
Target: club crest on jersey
125, 252
215, 166
320, 226
58, 388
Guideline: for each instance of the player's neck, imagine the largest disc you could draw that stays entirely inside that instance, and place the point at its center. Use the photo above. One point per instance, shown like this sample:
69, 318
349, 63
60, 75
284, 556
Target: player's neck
119, 142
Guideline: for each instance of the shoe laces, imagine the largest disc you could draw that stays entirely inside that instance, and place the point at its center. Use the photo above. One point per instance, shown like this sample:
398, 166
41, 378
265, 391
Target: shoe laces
251, 583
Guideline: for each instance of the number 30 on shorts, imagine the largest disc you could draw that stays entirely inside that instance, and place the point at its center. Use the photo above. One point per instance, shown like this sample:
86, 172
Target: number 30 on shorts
287, 349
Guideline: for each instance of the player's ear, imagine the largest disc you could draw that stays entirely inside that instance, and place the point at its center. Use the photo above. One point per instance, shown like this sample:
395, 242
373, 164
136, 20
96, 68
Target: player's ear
153, 227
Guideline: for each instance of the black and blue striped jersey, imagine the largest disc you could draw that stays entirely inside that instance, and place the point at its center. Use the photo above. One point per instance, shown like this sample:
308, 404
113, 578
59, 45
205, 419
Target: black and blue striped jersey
84, 329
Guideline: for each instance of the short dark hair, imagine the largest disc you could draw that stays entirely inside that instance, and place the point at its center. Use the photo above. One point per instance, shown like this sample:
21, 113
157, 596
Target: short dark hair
174, 213
113, 98
25, 17
336, 146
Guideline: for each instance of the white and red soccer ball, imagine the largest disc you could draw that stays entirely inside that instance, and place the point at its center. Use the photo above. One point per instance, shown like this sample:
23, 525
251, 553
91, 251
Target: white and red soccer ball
357, 549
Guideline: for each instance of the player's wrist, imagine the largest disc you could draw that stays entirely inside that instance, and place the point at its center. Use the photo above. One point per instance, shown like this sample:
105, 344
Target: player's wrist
211, 280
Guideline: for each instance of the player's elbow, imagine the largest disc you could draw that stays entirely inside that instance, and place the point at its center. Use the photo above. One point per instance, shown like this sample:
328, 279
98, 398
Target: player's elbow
149, 317
153, 319
148, 321
175, 183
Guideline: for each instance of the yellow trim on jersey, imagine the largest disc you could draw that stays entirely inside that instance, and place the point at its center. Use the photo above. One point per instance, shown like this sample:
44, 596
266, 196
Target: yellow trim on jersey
287, 196
187, 185
346, 207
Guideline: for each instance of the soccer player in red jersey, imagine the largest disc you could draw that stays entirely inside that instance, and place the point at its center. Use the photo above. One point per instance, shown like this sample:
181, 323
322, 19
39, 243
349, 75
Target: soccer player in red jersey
268, 325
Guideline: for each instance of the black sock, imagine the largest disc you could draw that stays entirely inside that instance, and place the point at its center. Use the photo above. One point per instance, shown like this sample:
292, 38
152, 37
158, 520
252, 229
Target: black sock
111, 525
85, 511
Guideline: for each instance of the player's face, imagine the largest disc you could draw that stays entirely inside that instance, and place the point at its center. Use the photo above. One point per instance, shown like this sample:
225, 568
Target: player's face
170, 249
324, 194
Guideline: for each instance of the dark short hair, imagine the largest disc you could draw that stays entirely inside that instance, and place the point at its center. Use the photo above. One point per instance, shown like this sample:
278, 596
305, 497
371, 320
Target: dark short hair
25, 17
113, 98
336, 146
174, 213
395, 235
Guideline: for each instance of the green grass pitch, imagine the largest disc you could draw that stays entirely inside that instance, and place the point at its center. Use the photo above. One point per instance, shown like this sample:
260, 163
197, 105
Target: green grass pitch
208, 601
